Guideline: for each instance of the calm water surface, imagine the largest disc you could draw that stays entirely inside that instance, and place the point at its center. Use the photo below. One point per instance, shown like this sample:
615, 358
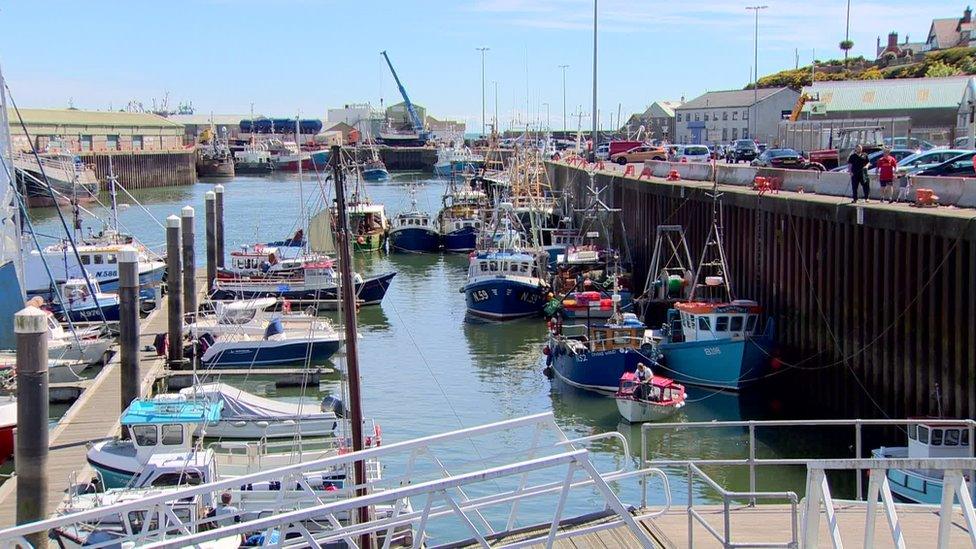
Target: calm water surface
427, 370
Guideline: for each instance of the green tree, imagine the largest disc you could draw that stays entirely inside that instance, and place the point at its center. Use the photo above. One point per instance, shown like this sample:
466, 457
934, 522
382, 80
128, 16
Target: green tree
940, 68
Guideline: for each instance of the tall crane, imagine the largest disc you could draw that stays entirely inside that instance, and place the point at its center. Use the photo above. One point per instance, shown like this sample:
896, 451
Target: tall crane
418, 125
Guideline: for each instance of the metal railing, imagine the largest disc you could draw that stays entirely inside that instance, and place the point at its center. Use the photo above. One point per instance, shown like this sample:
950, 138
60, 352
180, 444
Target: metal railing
725, 538
753, 462
554, 466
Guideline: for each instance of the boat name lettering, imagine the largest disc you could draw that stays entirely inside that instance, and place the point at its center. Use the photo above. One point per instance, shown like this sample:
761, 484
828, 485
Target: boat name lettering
713, 351
529, 297
479, 295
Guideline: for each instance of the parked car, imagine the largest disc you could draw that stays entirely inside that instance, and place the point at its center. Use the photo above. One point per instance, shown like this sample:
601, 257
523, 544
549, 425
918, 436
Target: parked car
960, 166
899, 155
784, 158
908, 143
961, 142
928, 159
745, 149
691, 153
640, 154
623, 146
602, 151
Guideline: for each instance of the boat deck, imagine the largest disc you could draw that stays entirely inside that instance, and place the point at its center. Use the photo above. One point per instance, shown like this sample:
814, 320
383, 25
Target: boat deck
93, 416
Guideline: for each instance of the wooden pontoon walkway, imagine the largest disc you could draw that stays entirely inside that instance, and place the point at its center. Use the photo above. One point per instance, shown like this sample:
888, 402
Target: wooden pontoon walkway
95, 415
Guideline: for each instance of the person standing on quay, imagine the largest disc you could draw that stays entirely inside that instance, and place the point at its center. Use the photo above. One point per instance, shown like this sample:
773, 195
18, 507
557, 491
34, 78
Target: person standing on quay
856, 163
886, 175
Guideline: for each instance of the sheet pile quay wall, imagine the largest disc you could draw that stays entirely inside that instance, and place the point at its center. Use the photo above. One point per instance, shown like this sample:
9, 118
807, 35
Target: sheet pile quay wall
882, 306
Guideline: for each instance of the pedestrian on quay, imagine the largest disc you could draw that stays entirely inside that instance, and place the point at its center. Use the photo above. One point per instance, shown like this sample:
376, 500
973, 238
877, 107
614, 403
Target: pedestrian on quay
857, 164
886, 175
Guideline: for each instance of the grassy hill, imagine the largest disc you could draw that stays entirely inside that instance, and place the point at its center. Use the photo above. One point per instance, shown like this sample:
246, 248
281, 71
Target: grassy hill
950, 62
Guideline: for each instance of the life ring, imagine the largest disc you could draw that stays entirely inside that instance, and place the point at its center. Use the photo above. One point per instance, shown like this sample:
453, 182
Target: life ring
360, 240
286, 306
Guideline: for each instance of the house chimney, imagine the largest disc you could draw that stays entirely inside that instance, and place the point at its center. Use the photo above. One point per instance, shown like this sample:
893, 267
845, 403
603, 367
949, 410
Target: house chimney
967, 16
877, 48
892, 41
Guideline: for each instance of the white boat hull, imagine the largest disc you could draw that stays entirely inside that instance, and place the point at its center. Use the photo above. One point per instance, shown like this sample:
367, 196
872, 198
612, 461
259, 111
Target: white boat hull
635, 411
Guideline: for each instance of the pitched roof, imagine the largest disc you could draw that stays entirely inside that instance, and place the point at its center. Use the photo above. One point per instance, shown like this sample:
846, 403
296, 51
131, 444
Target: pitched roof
894, 94
74, 117
662, 109
945, 31
729, 98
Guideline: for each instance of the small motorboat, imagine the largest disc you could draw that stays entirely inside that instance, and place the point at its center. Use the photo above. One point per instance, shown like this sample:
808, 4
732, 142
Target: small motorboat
86, 345
925, 441
81, 305
248, 416
252, 316
278, 347
639, 402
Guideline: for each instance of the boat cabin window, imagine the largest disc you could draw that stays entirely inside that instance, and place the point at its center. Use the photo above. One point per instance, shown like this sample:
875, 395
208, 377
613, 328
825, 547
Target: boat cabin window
936, 437
751, 323
86, 260
525, 268
515, 267
951, 437
923, 434
172, 435
722, 324
492, 266
98, 259
704, 324
484, 266
736, 324
913, 432
183, 478
111, 259
237, 317
965, 437
144, 435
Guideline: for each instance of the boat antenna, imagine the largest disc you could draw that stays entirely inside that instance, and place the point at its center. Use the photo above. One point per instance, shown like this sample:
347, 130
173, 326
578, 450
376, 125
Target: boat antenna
298, 143
348, 296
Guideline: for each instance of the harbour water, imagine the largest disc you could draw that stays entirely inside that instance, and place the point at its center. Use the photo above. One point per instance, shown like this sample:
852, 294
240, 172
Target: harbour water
426, 369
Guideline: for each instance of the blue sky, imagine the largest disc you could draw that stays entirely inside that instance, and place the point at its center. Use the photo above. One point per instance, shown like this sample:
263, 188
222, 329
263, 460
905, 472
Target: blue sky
310, 55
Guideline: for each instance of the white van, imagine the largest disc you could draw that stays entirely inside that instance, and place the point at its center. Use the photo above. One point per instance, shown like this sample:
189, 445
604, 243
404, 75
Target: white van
691, 153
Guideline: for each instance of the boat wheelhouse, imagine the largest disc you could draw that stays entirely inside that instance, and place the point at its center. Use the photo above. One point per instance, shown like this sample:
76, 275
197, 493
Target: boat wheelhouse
100, 261
503, 285
368, 224
414, 231
940, 439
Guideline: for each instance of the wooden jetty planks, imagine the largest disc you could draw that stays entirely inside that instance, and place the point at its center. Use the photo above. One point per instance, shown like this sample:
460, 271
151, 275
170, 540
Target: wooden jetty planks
95, 415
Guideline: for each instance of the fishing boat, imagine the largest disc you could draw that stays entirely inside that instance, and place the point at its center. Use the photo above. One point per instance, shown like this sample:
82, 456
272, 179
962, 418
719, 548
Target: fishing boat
640, 402
713, 339
8, 425
457, 159
247, 416
316, 282
214, 158
100, 260
254, 159
595, 356
81, 305
287, 156
368, 221
925, 441
276, 347
375, 170
504, 281
414, 231
459, 220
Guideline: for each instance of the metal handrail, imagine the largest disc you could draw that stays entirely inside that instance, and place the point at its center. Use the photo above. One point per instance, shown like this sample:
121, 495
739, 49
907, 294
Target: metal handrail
727, 497
752, 461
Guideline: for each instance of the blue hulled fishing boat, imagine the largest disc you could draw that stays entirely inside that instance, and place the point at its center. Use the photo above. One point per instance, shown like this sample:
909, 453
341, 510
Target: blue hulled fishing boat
594, 357
414, 231
459, 220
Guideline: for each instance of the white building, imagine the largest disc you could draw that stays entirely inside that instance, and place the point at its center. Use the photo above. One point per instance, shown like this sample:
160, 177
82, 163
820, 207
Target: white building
724, 116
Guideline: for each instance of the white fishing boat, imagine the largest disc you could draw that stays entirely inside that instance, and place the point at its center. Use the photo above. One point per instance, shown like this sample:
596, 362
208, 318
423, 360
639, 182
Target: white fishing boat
248, 416
100, 260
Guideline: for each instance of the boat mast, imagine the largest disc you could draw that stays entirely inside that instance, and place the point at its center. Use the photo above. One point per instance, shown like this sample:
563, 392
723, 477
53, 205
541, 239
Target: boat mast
111, 189
301, 192
348, 295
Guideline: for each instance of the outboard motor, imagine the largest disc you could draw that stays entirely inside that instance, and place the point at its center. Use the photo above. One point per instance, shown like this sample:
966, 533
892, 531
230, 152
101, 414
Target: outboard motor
334, 404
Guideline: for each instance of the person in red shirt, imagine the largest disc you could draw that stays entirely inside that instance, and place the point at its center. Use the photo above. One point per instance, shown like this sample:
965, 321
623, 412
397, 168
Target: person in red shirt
886, 175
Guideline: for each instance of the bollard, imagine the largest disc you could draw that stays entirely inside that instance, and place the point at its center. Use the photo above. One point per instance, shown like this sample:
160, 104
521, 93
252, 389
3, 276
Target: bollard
129, 325
174, 281
208, 218
219, 225
189, 263
30, 325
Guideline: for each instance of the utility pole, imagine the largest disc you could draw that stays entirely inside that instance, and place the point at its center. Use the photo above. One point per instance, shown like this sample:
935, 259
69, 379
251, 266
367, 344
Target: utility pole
495, 83
482, 50
755, 74
565, 124
595, 135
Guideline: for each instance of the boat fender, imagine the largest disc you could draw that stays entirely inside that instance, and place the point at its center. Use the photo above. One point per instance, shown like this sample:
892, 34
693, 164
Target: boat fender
647, 350
548, 372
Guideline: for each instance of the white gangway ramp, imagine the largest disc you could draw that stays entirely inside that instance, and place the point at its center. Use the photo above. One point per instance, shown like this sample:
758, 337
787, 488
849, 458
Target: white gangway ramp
434, 484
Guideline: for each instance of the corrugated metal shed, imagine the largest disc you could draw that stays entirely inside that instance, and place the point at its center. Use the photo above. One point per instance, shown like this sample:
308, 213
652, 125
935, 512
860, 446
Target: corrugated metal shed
882, 95
107, 119
728, 99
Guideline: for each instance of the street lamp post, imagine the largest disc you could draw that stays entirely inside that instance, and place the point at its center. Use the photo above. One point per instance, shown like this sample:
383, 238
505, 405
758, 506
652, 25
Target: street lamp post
594, 134
564, 67
482, 50
755, 74
495, 118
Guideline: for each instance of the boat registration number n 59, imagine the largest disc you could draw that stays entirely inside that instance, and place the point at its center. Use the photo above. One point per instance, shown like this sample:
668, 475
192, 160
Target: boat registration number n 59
712, 351
530, 297
480, 295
